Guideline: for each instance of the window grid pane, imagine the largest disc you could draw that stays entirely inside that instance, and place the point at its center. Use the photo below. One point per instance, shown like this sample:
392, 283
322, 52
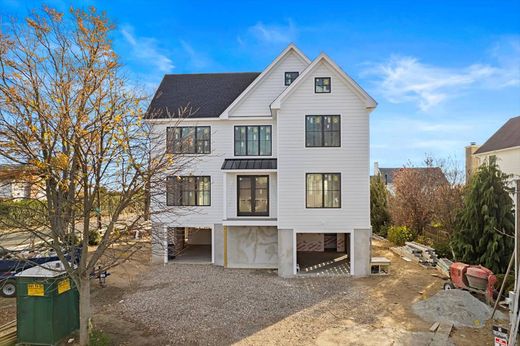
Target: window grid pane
253, 195
188, 140
323, 190
323, 131
188, 191
322, 85
253, 140
290, 77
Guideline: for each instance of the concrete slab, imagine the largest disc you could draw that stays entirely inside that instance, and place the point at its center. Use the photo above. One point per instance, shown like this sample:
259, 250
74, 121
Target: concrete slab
196, 254
323, 263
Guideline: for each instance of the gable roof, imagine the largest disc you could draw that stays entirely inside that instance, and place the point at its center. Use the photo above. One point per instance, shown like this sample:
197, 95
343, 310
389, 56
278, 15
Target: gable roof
507, 136
207, 94
388, 174
290, 48
369, 101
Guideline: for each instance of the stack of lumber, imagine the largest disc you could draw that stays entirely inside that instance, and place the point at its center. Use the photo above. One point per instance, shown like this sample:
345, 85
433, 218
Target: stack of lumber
426, 253
8, 333
443, 265
419, 253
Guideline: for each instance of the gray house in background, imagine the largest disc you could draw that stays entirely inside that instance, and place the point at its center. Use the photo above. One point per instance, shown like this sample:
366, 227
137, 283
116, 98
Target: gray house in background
388, 174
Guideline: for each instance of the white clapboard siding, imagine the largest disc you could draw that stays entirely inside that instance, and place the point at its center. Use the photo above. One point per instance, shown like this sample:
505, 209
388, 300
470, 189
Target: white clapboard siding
351, 159
258, 99
222, 147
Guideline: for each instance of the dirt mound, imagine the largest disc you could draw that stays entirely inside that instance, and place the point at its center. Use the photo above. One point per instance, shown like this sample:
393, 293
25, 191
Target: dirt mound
455, 306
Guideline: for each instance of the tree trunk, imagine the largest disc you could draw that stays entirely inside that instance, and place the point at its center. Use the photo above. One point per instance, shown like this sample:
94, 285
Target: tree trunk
84, 311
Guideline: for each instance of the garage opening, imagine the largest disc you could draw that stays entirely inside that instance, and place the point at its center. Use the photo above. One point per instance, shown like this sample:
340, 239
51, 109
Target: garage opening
323, 253
189, 245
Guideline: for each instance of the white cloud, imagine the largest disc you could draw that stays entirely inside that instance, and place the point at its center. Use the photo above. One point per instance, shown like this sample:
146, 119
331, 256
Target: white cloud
145, 48
272, 33
197, 59
406, 79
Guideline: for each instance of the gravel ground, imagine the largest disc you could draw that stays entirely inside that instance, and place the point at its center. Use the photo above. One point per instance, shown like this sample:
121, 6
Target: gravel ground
456, 306
204, 304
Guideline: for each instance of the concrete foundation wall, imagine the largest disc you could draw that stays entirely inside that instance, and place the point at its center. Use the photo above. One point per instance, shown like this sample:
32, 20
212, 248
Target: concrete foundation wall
286, 252
218, 244
199, 236
361, 252
252, 247
159, 244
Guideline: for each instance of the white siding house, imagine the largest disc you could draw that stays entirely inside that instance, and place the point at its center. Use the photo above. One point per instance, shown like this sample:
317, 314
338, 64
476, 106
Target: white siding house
503, 145
288, 165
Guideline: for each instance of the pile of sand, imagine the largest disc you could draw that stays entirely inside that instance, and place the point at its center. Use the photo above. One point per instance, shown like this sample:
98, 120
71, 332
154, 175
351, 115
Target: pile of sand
455, 306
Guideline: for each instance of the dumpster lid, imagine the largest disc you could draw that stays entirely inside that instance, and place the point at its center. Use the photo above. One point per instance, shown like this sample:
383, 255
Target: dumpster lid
46, 270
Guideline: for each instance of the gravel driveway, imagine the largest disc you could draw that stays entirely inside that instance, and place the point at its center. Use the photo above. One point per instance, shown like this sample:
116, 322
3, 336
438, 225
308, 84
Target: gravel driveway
204, 304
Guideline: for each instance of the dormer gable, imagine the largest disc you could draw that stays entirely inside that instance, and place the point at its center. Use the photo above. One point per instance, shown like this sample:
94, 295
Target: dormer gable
254, 101
322, 83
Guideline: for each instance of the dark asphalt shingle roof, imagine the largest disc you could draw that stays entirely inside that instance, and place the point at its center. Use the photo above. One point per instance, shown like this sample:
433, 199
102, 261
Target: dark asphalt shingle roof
249, 164
207, 94
507, 136
388, 174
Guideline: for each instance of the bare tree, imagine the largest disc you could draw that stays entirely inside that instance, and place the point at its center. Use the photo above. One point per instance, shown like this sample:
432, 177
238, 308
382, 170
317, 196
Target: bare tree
427, 195
67, 112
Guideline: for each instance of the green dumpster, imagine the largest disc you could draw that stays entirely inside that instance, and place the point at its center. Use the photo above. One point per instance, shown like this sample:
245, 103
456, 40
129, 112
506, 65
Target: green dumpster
47, 305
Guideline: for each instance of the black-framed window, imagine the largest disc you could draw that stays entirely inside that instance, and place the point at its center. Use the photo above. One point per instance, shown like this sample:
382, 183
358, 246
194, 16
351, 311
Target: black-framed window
322, 85
188, 191
253, 140
290, 77
253, 195
323, 190
188, 140
322, 131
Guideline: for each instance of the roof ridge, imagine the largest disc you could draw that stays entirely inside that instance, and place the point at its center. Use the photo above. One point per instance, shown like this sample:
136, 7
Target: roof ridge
207, 73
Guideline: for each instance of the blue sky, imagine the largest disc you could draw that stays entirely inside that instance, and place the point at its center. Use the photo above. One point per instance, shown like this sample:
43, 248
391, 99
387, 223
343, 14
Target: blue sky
444, 73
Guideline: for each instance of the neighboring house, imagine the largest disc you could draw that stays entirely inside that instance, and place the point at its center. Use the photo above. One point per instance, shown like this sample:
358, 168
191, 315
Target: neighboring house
388, 174
504, 145
17, 182
281, 179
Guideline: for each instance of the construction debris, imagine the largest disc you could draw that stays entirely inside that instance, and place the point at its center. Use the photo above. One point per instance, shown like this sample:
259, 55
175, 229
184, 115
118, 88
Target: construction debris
434, 327
442, 335
419, 253
8, 333
443, 266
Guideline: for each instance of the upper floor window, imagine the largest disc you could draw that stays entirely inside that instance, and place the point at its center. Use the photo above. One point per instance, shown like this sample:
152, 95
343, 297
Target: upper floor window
253, 140
188, 191
290, 77
253, 195
322, 131
323, 190
322, 85
188, 140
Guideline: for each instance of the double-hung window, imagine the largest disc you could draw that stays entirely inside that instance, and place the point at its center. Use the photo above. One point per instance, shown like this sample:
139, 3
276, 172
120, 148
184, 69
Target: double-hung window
253, 195
322, 131
188, 191
253, 140
323, 190
188, 140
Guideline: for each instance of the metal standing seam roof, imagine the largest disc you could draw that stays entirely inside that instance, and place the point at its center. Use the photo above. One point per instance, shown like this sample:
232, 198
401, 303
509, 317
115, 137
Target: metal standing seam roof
206, 94
508, 136
249, 164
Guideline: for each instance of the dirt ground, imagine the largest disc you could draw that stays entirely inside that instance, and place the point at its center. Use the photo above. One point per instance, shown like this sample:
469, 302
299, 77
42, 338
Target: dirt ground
331, 311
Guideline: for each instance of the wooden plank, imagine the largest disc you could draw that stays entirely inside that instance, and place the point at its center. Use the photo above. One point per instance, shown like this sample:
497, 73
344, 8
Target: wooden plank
434, 327
442, 334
